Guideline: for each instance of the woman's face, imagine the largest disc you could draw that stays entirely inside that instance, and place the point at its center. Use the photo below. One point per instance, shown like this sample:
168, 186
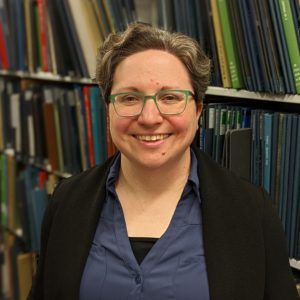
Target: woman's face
153, 140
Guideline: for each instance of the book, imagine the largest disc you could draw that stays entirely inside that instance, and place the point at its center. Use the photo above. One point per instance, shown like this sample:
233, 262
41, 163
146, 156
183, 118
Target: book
95, 116
239, 160
26, 269
89, 127
225, 75
3, 49
87, 33
42, 31
49, 129
230, 45
291, 40
267, 150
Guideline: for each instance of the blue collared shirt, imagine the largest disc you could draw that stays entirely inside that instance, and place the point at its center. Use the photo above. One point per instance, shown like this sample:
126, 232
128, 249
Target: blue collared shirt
175, 266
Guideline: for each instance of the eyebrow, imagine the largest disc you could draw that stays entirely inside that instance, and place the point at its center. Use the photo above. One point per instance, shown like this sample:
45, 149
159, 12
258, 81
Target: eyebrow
135, 89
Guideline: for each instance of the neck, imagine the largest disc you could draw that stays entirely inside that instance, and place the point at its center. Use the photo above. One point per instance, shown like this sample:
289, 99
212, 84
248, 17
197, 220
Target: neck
148, 181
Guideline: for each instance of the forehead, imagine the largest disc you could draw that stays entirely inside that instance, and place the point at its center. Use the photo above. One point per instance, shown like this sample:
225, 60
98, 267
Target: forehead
151, 67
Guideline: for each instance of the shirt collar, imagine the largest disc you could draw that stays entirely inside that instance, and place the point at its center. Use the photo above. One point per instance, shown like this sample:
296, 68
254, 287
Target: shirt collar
192, 179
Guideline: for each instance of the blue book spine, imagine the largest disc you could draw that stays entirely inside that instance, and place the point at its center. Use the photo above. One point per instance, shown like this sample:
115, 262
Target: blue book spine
30, 174
284, 167
267, 143
95, 112
39, 204
291, 175
21, 34
295, 217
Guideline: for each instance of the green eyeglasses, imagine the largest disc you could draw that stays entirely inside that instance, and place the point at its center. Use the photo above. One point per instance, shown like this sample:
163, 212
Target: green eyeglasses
168, 102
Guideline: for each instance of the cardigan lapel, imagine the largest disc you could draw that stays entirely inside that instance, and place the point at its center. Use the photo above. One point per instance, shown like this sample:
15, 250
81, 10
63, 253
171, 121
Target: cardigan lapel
232, 234
74, 228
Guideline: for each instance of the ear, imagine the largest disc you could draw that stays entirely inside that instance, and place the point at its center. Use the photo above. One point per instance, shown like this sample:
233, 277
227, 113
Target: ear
199, 108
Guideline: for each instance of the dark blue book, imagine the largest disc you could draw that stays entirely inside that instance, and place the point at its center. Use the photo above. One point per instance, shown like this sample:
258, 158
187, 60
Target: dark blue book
241, 44
116, 10
281, 47
274, 154
166, 18
270, 48
78, 52
79, 94
191, 18
295, 216
105, 21
21, 35
250, 44
65, 46
180, 16
59, 102
39, 131
291, 175
257, 32
74, 133
30, 175
39, 201
254, 116
285, 163
267, 150
209, 44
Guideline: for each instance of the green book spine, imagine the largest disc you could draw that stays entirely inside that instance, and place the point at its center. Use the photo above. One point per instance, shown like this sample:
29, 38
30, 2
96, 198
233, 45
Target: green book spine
291, 40
230, 45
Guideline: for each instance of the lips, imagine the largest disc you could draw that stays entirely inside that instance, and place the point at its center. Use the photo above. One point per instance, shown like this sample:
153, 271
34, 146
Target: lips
152, 138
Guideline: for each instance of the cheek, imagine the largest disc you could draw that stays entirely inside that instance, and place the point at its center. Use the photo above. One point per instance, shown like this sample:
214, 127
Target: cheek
118, 126
186, 126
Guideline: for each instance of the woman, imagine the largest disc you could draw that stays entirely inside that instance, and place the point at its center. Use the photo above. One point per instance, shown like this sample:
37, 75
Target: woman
159, 220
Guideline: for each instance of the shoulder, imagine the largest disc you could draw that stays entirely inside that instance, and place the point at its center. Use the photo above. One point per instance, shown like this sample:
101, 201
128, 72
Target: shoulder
82, 184
224, 189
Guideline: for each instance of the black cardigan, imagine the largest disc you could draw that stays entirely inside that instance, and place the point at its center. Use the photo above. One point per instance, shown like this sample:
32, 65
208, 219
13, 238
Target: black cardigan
244, 244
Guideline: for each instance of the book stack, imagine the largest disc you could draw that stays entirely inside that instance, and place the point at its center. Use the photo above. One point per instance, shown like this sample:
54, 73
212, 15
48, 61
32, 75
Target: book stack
254, 44
62, 128
263, 147
57, 36
24, 197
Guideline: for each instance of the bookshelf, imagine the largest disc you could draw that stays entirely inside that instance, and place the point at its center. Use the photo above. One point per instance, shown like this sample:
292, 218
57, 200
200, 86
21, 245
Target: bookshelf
50, 55
244, 94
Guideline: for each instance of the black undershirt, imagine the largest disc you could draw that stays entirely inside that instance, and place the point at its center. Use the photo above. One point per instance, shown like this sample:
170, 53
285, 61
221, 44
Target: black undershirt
141, 246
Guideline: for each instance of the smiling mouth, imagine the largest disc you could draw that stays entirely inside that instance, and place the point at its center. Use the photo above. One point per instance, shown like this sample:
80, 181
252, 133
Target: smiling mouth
152, 138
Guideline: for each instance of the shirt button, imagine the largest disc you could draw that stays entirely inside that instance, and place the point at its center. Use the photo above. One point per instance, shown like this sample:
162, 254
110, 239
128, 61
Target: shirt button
138, 279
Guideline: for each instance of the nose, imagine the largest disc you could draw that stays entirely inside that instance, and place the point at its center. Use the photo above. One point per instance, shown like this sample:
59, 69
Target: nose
150, 114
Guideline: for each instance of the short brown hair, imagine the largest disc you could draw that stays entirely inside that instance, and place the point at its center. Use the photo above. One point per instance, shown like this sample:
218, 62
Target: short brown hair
140, 37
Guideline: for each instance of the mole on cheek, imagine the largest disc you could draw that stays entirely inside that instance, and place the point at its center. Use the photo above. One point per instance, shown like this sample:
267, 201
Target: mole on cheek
164, 153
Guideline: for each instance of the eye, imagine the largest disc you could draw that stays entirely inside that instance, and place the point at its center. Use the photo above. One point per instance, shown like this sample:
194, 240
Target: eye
170, 97
129, 99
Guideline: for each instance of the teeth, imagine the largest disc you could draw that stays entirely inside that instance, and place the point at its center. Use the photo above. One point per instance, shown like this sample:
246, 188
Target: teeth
152, 138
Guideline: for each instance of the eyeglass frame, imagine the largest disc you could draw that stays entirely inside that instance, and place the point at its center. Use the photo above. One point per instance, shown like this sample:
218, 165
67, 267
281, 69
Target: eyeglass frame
187, 93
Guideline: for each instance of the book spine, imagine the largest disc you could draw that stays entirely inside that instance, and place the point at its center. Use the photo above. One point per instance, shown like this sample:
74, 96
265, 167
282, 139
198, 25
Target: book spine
268, 118
89, 129
43, 35
291, 40
230, 45
225, 74
3, 50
